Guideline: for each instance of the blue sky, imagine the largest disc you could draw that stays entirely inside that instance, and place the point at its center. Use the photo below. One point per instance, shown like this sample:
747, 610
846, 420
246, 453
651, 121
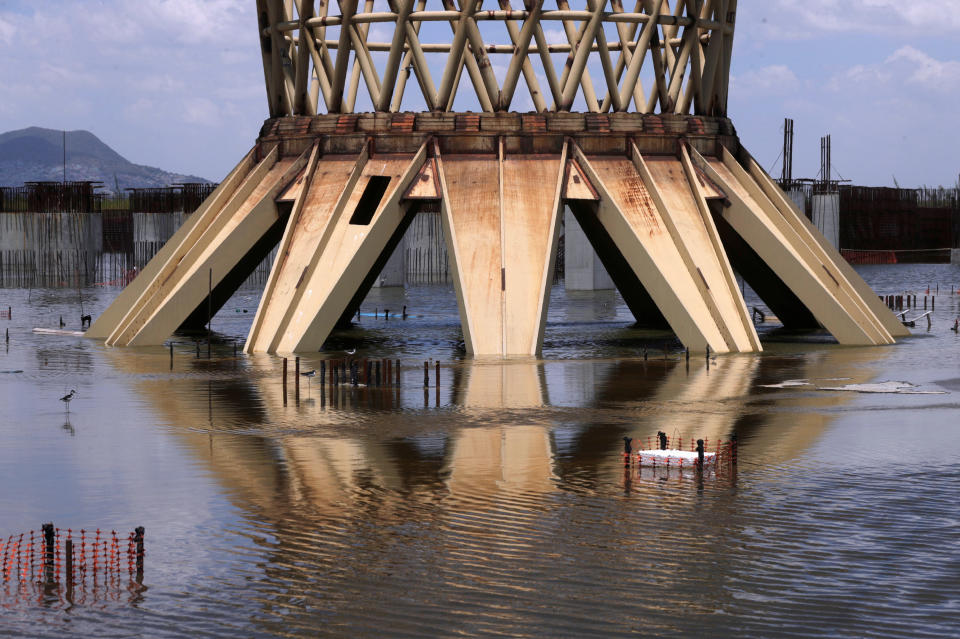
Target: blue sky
178, 83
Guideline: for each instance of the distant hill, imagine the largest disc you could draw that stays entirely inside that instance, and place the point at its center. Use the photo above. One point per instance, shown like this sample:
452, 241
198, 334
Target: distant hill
36, 154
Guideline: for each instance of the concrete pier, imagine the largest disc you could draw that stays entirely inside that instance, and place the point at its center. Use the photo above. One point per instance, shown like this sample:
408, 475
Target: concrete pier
826, 216
583, 270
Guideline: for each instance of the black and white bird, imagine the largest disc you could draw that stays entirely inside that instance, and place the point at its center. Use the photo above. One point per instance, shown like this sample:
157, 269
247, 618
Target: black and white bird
66, 398
309, 375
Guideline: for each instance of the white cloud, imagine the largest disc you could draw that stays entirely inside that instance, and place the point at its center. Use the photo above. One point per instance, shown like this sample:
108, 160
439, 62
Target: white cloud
882, 111
789, 19
200, 111
927, 72
861, 78
6, 31
776, 79
200, 21
555, 36
140, 110
155, 78
906, 65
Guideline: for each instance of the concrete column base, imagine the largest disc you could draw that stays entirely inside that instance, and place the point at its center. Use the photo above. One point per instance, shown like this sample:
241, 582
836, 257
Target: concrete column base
583, 270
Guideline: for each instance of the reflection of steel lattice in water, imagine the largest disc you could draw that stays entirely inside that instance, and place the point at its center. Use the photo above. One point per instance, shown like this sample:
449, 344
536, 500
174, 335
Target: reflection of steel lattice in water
76, 567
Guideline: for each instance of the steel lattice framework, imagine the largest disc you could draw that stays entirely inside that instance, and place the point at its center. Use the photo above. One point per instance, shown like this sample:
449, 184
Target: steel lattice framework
313, 51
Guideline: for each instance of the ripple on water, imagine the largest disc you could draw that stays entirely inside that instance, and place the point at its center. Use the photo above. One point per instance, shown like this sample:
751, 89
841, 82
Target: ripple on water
498, 506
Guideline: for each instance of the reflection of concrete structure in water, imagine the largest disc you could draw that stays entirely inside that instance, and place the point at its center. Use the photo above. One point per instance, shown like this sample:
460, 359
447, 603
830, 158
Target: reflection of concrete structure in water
319, 467
500, 441
512, 457
666, 194
703, 403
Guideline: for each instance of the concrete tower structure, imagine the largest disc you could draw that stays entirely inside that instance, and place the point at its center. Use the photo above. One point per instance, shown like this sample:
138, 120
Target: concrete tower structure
624, 120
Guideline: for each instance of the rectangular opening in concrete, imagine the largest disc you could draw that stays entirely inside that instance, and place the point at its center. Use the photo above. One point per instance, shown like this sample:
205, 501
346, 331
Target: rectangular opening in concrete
370, 200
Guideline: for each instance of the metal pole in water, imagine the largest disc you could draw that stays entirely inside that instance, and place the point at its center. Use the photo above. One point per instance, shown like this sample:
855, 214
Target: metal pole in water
284, 381
48, 552
700, 453
209, 310
69, 550
438, 373
426, 374
171, 355
296, 381
138, 540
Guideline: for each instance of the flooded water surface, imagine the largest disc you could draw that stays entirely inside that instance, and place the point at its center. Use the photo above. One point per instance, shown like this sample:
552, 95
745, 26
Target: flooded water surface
495, 502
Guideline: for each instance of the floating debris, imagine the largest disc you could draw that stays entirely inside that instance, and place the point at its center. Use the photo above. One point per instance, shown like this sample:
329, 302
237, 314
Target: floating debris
790, 383
55, 331
673, 457
793, 383
663, 455
892, 387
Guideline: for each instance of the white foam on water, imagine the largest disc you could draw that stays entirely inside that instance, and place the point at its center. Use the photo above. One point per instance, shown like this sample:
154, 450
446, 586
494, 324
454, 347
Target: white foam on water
893, 387
790, 383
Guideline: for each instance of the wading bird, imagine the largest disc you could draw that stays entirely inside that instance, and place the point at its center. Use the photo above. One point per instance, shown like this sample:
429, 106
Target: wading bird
309, 375
66, 398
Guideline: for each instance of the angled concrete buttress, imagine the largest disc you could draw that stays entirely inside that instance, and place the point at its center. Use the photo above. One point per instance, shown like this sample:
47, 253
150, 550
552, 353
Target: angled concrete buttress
671, 216
108, 320
500, 218
825, 251
657, 217
347, 220
790, 250
219, 247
